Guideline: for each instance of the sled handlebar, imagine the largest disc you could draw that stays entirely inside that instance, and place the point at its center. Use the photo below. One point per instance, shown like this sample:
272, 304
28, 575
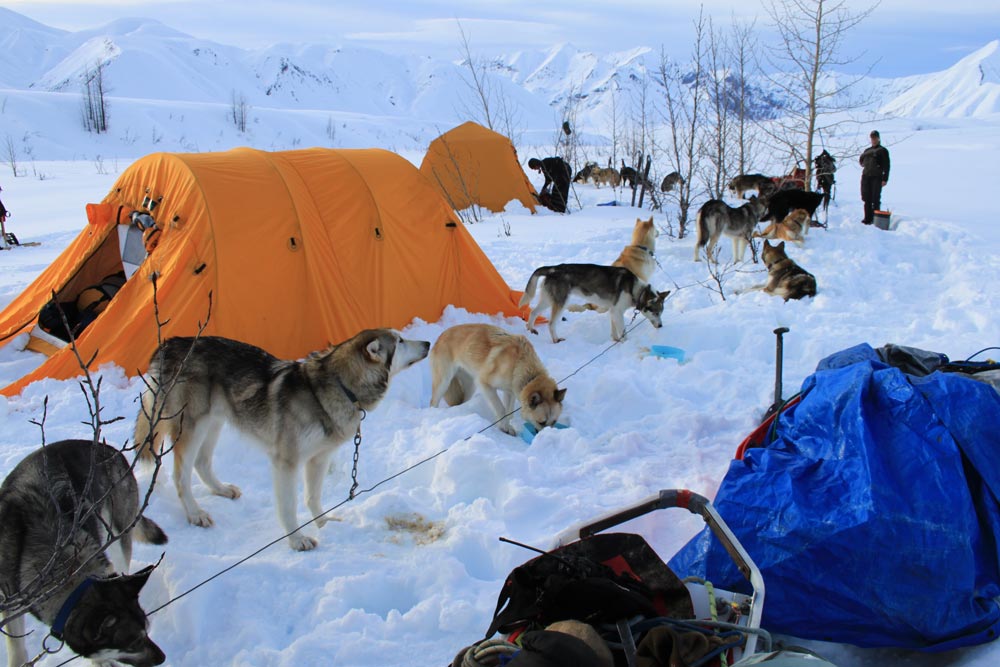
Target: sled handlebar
684, 499
696, 504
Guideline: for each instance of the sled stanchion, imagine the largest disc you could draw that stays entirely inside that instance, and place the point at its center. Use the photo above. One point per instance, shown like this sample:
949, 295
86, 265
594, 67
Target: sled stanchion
779, 353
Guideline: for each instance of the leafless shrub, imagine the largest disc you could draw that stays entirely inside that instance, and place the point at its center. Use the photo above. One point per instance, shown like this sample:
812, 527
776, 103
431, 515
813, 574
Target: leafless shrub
69, 555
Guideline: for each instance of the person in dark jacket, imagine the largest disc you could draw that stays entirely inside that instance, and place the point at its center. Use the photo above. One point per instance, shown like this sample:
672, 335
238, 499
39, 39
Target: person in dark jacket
874, 175
558, 174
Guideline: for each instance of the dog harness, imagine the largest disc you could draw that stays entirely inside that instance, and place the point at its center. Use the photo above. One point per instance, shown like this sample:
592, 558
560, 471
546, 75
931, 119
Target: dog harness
59, 625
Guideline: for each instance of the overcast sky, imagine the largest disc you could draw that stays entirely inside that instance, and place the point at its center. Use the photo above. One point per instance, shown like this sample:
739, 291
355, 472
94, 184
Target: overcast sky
901, 36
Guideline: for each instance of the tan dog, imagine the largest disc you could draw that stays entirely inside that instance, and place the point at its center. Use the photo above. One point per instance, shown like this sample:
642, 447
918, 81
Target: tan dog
792, 228
481, 356
785, 278
639, 257
606, 176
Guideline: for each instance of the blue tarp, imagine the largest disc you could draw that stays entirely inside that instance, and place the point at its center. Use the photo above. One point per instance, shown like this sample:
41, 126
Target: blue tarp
874, 513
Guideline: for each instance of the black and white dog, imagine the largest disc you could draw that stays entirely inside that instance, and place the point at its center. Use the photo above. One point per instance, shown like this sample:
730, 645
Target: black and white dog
58, 508
716, 218
613, 288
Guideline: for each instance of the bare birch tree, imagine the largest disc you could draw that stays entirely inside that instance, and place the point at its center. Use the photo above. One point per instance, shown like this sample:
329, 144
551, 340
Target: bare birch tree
239, 111
812, 38
683, 92
68, 556
742, 49
719, 117
497, 111
95, 104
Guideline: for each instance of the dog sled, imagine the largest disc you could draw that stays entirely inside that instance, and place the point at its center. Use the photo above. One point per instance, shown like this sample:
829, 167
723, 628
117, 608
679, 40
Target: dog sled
842, 487
643, 614
793, 180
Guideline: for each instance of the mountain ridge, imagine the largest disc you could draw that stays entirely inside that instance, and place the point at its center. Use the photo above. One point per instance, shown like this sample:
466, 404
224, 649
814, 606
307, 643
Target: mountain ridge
168, 90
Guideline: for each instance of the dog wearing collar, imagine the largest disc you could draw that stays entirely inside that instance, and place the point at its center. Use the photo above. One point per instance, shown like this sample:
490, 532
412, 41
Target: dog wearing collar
299, 412
639, 256
468, 357
614, 289
59, 507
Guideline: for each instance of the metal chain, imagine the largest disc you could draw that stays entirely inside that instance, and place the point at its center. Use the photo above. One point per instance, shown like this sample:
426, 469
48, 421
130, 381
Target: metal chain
357, 455
46, 650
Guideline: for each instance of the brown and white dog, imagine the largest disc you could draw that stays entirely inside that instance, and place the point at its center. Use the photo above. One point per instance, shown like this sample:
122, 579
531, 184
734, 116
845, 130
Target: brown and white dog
640, 256
785, 278
606, 176
468, 357
792, 228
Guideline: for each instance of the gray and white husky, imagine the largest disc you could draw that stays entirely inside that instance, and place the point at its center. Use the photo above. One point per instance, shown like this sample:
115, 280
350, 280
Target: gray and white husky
613, 288
716, 218
299, 412
68, 580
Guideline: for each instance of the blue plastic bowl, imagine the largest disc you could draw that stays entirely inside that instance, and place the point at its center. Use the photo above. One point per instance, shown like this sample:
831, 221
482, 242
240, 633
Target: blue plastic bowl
667, 352
529, 432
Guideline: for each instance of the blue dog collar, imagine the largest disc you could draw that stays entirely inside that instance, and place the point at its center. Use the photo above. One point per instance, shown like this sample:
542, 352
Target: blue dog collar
67, 608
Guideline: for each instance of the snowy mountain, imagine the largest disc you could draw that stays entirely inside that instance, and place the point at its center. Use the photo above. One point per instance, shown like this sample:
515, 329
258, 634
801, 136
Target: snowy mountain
167, 90
968, 89
171, 91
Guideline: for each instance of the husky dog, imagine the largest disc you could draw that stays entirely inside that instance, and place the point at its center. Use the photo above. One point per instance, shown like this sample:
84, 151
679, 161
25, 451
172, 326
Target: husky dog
586, 173
762, 184
716, 218
785, 278
639, 257
629, 175
670, 181
606, 176
789, 229
82, 599
633, 178
826, 166
780, 204
298, 411
614, 288
471, 356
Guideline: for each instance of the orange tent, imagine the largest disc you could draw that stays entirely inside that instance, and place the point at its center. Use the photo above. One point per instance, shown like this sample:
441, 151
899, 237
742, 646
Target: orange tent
293, 249
475, 165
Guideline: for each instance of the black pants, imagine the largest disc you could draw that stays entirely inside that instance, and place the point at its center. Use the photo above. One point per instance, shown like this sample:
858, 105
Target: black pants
871, 195
557, 196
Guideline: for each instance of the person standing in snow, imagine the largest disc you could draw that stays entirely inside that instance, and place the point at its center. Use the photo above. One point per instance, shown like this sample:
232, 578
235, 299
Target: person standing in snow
874, 175
558, 175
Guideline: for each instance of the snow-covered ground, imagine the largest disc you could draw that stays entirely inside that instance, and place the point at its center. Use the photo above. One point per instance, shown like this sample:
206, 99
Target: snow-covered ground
411, 572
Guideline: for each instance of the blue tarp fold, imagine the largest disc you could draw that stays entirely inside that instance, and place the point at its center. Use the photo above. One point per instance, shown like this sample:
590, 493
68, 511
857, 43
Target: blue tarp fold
874, 513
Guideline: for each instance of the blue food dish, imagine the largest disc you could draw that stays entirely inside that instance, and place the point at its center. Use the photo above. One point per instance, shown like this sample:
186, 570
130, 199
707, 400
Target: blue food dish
529, 432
